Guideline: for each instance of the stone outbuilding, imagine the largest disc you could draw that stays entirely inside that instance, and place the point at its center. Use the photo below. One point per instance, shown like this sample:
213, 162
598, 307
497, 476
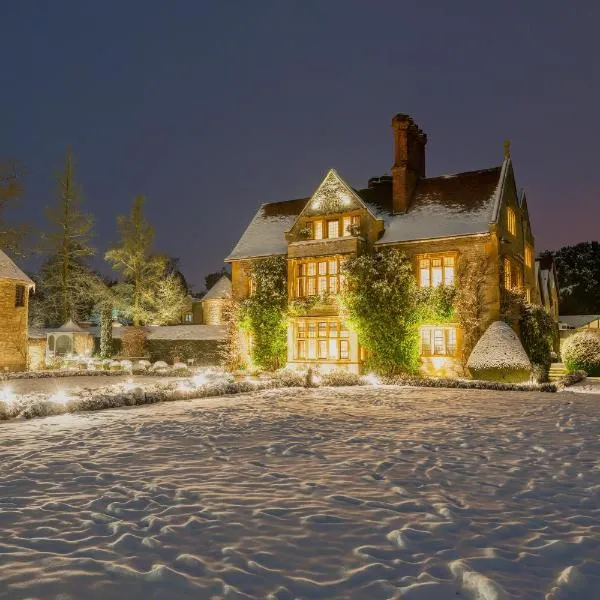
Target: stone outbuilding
15, 287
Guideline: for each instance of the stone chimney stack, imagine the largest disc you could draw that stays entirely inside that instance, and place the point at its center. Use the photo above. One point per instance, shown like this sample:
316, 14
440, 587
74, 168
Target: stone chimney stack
409, 160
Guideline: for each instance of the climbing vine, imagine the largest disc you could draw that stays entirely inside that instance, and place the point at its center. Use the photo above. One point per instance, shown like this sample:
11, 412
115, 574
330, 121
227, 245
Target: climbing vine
264, 314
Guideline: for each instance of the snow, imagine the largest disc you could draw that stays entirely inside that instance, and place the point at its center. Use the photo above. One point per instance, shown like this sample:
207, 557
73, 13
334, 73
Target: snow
357, 493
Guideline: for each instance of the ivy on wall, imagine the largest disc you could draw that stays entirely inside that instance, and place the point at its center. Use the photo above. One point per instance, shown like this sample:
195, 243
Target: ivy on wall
381, 303
264, 314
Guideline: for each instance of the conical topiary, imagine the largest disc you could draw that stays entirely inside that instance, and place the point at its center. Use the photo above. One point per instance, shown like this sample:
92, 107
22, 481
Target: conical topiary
499, 356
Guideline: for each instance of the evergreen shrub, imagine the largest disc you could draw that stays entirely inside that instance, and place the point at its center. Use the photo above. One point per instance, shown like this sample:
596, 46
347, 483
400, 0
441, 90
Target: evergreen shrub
581, 352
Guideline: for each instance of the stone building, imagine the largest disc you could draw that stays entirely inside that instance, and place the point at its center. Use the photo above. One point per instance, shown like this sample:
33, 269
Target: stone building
14, 305
438, 222
208, 310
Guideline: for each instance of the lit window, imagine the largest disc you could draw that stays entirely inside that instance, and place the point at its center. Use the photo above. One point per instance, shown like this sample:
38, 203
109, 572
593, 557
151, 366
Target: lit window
507, 274
528, 295
188, 317
318, 230
436, 271
322, 340
322, 277
438, 341
333, 228
511, 220
347, 226
20, 296
528, 255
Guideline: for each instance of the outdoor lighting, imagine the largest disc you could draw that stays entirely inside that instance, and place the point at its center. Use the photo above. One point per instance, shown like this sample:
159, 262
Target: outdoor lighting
199, 379
60, 397
372, 379
7, 394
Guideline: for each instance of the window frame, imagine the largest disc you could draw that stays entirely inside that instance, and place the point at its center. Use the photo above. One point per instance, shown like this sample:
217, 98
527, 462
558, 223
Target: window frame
20, 292
318, 276
320, 227
511, 221
427, 272
321, 339
446, 334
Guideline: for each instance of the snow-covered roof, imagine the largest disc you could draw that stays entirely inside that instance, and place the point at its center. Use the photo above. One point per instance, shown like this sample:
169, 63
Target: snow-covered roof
71, 327
221, 289
450, 205
577, 321
9, 270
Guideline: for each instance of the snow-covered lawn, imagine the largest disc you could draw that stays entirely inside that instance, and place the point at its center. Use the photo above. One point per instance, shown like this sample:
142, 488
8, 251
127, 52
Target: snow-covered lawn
359, 493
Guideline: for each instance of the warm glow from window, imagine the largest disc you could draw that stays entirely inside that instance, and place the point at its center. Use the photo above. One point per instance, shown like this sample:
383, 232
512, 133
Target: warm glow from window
438, 341
511, 220
528, 295
318, 277
318, 230
345, 226
436, 271
528, 255
322, 340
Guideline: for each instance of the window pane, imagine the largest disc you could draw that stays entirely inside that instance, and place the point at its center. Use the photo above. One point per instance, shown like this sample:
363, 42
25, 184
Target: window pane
300, 286
301, 329
322, 348
323, 268
301, 348
438, 341
322, 285
333, 284
333, 349
451, 341
332, 267
448, 270
322, 330
312, 349
436, 272
347, 222
333, 330
344, 349
507, 274
425, 341
311, 287
318, 229
312, 268
312, 329
333, 229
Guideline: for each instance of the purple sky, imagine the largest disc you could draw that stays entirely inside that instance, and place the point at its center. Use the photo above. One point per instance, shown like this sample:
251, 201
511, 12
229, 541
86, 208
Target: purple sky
210, 108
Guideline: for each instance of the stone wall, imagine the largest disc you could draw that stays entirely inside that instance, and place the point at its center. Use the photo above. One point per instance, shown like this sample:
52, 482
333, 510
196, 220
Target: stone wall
13, 327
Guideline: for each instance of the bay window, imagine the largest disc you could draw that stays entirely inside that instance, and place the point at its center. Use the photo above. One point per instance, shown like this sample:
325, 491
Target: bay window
318, 277
321, 339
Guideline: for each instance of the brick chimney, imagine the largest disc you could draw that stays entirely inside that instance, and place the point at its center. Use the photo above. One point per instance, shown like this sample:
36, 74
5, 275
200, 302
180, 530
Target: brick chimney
409, 161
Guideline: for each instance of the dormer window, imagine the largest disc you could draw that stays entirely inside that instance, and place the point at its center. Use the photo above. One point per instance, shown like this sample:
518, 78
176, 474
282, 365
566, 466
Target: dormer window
333, 228
318, 230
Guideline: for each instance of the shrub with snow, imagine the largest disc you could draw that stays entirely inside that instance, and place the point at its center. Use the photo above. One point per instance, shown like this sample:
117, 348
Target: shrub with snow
288, 378
160, 365
340, 377
126, 364
581, 352
499, 356
179, 366
143, 364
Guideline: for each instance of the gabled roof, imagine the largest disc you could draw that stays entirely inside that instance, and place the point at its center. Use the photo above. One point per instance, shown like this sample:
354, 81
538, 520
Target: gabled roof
9, 270
221, 289
450, 205
577, 321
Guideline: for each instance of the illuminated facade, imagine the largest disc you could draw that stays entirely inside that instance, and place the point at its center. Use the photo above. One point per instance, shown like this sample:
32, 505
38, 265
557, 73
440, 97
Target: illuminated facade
439, 223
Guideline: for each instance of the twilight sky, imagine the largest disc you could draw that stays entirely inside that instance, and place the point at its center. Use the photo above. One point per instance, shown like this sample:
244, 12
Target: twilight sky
211, 108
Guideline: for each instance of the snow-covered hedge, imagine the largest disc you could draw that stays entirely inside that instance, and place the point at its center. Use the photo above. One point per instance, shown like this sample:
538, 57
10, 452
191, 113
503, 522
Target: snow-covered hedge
499, 356
470, 384
289, 378
581, 352
341, 378
95, 372
571, 379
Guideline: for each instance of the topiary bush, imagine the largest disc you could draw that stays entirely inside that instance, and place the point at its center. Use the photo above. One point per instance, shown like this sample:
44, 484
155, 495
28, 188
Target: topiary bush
499, 356
581, 352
